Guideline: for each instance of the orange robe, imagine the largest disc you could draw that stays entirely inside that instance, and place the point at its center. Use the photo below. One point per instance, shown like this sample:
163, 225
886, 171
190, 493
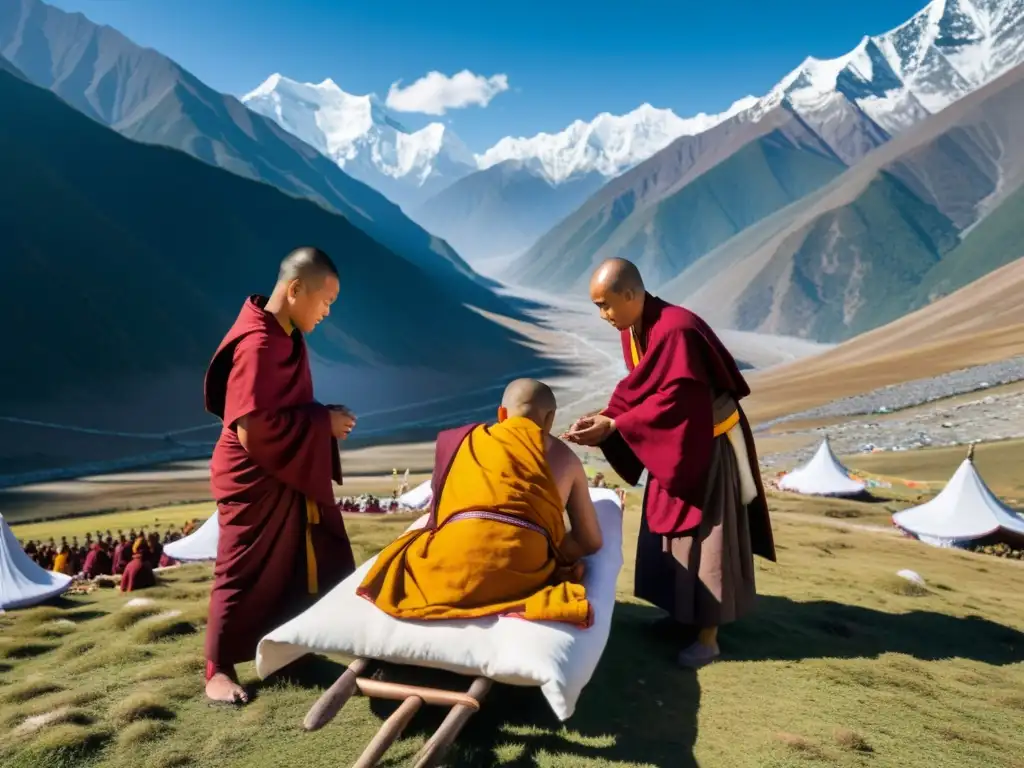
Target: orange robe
467, 565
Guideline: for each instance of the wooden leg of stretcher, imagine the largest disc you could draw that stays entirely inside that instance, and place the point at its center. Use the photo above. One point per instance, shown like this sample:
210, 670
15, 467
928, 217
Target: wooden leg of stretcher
463, 705
388, 733
334, 698
448, 731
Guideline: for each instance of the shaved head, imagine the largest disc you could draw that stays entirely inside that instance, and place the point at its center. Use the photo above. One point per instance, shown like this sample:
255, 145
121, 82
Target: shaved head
308, 264
307, 286
618, 276
531, 399
618, 292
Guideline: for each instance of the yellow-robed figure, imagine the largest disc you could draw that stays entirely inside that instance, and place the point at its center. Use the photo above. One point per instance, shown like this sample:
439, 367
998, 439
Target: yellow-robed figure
492, 545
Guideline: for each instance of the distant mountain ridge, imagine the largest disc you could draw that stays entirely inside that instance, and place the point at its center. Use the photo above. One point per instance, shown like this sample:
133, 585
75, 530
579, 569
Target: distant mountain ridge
853, 105
148, 97
365, 138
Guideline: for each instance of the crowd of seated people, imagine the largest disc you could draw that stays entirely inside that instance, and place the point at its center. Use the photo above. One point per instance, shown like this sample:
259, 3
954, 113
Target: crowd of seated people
369, 503
104, 554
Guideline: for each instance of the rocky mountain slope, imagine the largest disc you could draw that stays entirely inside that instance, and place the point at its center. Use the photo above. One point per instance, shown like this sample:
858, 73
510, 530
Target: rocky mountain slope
853, 104
926, 214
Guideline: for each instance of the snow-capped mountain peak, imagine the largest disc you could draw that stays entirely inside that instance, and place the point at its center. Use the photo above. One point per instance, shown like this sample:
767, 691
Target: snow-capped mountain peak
609, 144
362, 136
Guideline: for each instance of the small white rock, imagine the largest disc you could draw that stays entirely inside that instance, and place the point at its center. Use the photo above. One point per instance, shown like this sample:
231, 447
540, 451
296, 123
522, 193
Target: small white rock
911, 576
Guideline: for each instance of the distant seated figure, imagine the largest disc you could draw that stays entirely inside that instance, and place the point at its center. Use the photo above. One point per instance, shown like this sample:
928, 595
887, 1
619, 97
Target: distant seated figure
138, 574
97, 562
156, 549
122, 555
496, 542
62, 562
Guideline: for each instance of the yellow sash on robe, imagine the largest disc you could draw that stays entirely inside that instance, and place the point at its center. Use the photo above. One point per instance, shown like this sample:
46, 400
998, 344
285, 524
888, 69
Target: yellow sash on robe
469, 567
722, 427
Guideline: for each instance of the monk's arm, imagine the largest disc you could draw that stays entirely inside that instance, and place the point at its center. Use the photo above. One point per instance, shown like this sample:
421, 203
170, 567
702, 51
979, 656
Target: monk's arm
585, 536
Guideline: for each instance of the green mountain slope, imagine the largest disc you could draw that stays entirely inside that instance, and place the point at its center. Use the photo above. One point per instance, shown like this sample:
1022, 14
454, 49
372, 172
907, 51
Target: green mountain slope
671, 210
123, 260
852, 269
147, 97
995, 242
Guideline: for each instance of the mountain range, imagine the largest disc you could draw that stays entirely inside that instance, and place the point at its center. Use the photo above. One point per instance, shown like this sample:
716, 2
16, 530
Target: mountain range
821, 119
456, 194
130, 261
149, 98
548, 200
929, 212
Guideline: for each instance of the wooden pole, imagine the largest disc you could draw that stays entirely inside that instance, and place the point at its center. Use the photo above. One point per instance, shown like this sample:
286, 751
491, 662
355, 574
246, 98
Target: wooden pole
385, 689
388, 733
334, 698
449, 729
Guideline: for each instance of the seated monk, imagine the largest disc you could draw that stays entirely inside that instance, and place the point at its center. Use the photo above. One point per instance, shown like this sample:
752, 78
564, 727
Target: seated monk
138, 574
62, 562
496, 542
97, 562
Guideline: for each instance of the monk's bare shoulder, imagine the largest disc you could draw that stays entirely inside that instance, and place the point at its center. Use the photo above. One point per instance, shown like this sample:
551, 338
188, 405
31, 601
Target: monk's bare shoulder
564, 463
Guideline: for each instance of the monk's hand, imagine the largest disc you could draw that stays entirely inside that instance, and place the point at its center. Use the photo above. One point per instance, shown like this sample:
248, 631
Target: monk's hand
580, 424
571, 573
591, 430
343, 421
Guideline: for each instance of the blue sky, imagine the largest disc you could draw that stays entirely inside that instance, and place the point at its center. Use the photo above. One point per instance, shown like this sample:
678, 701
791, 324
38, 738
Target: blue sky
564, 59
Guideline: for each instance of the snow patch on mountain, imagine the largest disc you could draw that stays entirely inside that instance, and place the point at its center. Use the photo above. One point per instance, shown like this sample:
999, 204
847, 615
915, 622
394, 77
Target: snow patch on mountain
363, 136
608, 144
947, 50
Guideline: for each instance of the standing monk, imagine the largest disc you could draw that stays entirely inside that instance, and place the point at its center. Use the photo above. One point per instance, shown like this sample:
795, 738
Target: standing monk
282, 537
676, 414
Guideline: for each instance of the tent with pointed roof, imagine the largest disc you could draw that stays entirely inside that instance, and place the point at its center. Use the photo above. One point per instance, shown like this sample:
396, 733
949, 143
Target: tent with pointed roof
965, 512
418, 498
201, 544
823, 475
22, 581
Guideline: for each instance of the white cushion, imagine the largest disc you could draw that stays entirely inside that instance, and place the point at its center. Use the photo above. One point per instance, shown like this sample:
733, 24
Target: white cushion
557, 657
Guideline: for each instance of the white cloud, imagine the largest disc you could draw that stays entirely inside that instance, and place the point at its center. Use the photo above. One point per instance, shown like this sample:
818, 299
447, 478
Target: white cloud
434, 93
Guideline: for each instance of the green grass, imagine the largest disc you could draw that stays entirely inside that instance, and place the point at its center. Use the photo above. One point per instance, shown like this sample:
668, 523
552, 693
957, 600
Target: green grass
994, 243
842, 665
151, 519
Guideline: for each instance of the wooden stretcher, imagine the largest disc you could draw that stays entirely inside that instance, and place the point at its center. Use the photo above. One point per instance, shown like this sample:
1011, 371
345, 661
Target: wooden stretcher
462, 707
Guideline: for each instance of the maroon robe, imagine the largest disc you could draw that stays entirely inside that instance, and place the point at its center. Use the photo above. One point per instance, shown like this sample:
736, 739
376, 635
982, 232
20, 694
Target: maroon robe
97, 563
138, 574
262, 576
663, 416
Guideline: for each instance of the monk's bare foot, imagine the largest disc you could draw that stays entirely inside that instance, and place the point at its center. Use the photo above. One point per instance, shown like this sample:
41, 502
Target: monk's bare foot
223, 690
697, 655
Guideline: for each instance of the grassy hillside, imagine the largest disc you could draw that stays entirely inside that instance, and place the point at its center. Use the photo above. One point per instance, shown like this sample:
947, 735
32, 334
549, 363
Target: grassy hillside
125, 259
842, 664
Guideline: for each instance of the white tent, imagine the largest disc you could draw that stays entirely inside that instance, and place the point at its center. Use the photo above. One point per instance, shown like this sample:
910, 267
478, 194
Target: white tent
22, 581
418, 498
201, 544
823, 475
965, 510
